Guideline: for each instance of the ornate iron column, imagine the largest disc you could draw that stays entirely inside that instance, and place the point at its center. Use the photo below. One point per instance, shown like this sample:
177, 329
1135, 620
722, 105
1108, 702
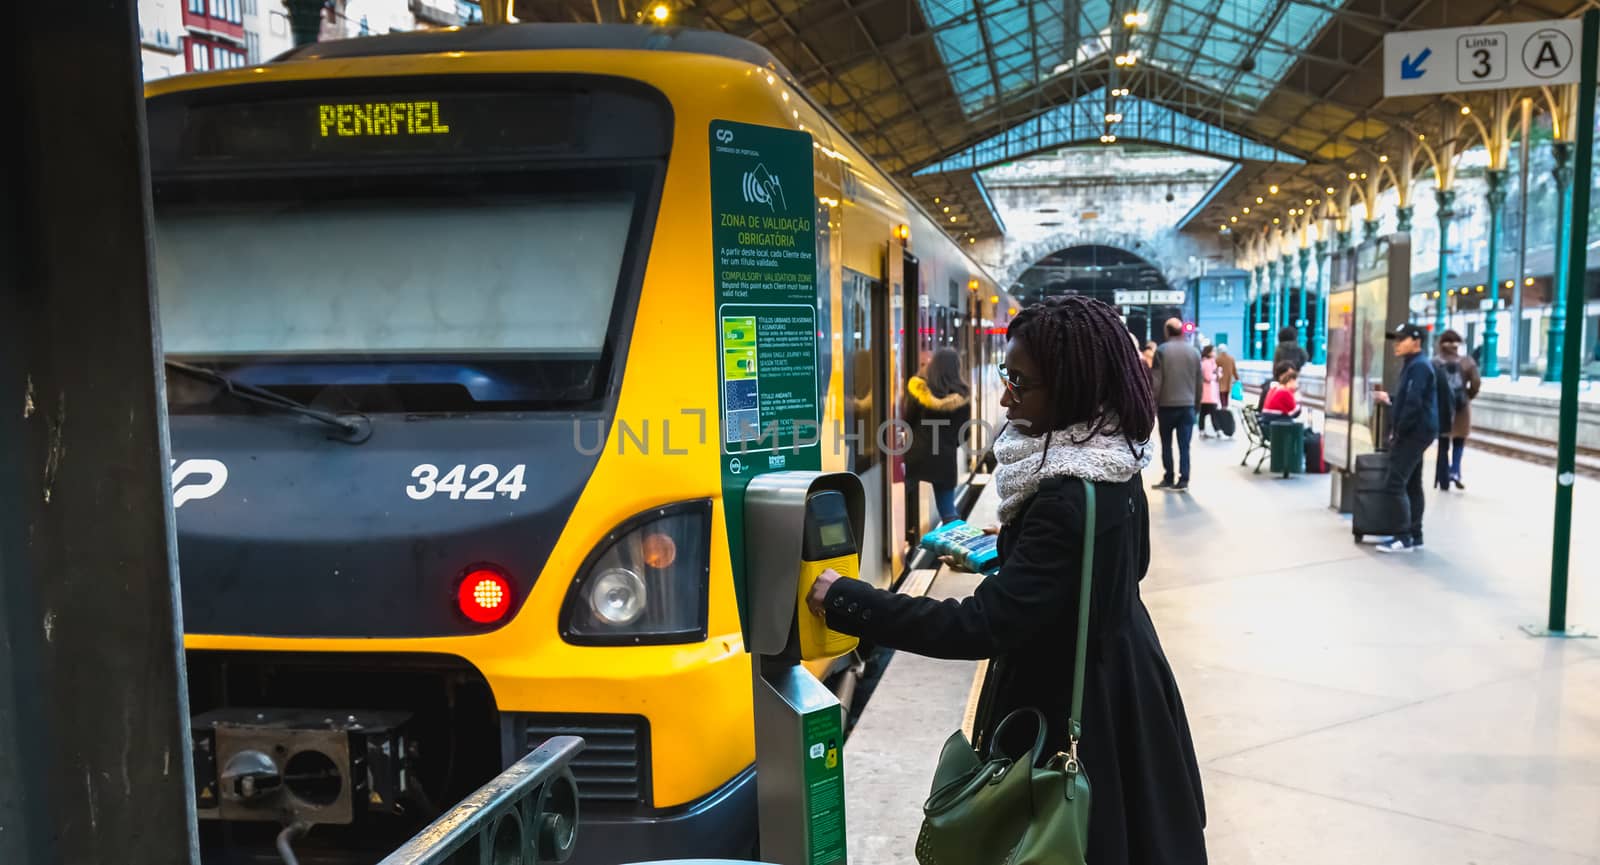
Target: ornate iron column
1369, 230
1447, 213
1403, 218
1319, 313
1562, 150
1271, 317
1300, 324
1496, 196
1284, 287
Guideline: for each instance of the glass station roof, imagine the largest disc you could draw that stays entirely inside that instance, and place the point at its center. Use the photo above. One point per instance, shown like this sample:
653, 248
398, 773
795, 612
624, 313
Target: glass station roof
1084, 120
1240, 49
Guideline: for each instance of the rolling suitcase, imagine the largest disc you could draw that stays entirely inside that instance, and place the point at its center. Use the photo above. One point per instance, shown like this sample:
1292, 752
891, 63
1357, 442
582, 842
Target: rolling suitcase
1376, 512
1222, 419
1315, 464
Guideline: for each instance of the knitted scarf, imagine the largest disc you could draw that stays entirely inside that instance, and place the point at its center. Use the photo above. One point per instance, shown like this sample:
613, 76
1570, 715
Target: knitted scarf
1024, 461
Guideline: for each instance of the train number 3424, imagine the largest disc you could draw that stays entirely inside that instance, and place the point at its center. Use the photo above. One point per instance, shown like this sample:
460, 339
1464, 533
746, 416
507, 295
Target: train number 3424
483, 483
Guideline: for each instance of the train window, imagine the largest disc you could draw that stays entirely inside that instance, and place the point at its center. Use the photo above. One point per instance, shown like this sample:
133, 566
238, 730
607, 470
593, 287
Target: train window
460, 299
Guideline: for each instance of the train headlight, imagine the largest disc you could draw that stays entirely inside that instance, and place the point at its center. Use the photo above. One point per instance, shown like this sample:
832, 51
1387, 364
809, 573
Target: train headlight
646, 582
617, 596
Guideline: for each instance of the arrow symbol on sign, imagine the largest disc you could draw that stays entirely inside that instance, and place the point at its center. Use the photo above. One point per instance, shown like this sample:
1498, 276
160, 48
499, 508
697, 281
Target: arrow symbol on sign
1412, 67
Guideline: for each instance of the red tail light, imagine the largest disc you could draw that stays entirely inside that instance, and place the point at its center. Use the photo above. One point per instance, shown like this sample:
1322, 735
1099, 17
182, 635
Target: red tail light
484, 596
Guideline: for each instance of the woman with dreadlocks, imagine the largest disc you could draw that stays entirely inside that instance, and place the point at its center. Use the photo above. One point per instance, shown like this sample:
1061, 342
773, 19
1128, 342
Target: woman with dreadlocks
1080, 407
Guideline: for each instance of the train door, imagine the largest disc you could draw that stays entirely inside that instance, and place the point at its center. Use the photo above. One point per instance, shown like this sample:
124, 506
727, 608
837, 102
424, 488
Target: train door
976, 353
909, 315
894, 374
864, 322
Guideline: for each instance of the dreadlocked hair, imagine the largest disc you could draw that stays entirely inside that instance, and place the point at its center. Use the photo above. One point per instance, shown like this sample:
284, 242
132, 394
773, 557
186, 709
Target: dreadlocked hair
1091, 372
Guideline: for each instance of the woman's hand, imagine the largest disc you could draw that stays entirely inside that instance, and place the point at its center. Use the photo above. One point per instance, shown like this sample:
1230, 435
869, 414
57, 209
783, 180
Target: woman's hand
991, 530
819, 591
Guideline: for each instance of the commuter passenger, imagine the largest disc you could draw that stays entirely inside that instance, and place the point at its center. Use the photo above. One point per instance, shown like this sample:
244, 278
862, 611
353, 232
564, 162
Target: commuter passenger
1459, 374
1415, 425
1080, 410
1290, 350
1281, 403
1178, 389
1230, 373
937, 406
1267, 387
1210, 396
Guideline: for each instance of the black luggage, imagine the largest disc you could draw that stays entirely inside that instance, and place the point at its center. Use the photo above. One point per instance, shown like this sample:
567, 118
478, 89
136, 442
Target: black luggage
1376, 512
1222, 419
1315, 464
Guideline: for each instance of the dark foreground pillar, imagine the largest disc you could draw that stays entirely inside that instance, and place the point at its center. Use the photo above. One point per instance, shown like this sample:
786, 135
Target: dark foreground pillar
94, 757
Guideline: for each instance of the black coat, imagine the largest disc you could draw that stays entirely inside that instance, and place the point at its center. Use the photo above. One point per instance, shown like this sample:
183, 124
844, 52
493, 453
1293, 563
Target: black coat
1148, 808
935, 427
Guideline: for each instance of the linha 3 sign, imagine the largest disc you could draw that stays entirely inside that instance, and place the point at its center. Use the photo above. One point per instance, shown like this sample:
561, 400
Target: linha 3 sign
1489, 57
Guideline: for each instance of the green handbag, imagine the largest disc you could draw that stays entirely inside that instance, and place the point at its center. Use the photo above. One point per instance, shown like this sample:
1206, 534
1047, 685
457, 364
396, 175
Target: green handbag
1005, 811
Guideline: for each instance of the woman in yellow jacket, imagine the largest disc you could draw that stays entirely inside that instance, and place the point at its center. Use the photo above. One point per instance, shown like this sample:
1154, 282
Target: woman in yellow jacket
938, 405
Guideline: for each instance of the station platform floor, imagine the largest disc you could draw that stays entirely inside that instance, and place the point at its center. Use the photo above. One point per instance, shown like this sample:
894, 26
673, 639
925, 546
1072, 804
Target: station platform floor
1347, 705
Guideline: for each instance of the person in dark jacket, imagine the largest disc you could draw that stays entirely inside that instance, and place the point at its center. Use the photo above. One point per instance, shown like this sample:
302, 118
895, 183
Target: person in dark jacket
1081, 411
1289, 349
937, 406
1458, 375
1415, 424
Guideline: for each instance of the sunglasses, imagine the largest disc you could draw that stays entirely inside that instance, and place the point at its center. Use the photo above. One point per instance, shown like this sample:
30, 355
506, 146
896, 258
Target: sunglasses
1015, 382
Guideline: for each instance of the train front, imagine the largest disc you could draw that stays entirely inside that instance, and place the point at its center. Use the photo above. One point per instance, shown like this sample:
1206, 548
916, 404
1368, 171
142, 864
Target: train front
397, 309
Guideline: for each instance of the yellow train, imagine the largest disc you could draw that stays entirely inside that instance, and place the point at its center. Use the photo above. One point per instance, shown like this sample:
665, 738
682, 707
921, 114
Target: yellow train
448, 447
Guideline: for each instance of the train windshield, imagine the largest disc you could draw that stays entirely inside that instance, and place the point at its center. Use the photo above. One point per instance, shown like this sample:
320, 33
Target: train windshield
463, 296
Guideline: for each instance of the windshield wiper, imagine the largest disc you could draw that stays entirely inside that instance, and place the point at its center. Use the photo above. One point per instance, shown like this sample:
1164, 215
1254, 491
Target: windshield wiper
356, 427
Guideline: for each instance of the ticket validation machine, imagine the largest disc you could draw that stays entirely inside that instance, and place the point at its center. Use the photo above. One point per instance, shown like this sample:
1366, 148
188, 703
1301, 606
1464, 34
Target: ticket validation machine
799, 523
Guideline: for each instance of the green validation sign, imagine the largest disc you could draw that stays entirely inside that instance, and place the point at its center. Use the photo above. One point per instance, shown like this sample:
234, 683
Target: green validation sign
764, 240
824, 779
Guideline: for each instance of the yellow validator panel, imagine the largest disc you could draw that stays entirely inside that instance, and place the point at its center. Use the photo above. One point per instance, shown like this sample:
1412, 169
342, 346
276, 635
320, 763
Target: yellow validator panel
829, 543
817, 640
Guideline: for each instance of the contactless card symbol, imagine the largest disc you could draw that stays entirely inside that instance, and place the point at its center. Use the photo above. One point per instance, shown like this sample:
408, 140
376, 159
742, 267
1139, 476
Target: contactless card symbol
761, 187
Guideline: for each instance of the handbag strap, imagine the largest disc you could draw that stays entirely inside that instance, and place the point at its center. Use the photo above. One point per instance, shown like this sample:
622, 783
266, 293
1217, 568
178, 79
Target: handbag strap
1086, 581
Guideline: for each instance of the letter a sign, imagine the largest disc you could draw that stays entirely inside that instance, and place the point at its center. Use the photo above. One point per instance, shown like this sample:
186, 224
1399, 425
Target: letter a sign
1490, 57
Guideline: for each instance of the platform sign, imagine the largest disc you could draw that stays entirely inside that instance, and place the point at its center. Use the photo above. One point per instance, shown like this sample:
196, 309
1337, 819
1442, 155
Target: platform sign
764, 249
1488, 57
1144, 297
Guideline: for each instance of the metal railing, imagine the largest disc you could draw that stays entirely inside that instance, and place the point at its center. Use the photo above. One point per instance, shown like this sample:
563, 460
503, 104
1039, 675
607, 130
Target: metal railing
527, 815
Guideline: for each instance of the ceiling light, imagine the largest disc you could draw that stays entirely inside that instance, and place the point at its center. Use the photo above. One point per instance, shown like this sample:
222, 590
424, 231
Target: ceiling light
1329, 191
1260, 200
1273, 189
1352, 175
1466, 109
1247, 210
1233, 219
1135, 19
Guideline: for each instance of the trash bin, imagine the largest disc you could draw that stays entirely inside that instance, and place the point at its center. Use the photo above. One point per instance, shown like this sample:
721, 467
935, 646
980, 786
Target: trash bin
1287, 442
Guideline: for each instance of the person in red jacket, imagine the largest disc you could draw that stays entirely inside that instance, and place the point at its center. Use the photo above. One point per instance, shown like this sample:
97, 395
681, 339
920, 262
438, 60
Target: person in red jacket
1281, 402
